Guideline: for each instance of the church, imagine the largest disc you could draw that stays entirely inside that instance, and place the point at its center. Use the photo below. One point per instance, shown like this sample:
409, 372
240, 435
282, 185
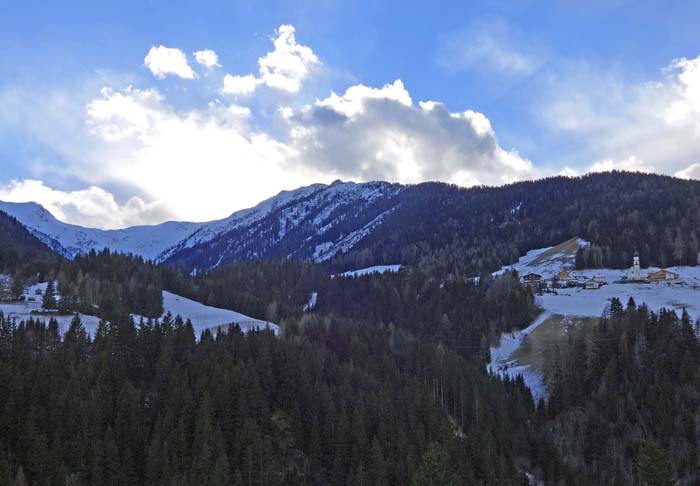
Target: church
634, 273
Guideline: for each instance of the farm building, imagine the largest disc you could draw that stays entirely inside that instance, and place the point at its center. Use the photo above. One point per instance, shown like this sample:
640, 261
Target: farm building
662, 276
532, 277
592, 284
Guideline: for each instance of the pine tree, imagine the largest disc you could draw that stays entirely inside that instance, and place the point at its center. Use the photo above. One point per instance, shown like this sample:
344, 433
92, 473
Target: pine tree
48, 302
17, 287
435, 468
655, 467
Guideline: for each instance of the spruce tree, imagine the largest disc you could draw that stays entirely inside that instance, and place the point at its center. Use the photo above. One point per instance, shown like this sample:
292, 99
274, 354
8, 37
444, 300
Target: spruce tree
435, 468
655, 467
48, 302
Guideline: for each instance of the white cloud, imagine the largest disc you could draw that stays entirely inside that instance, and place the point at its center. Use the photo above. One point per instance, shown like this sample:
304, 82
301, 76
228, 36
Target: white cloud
202, 164
352, 102
690, 172
289, 64
491, 45
164, 61
631, 164
370, 133
284, 68
92, 207
568, 172
648, 126
239, 85
207, 58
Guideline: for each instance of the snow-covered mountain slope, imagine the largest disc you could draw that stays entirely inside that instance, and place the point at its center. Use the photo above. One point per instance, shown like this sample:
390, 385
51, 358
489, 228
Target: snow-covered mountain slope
70, 240
317, 221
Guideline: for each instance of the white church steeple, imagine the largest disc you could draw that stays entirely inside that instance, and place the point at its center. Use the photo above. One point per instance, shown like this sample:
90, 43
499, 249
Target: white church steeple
634, 273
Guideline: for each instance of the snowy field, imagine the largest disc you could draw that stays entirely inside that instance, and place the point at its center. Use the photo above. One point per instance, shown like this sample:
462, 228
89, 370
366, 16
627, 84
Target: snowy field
212, 318
23, 311
370, 270
579, 302
202, 316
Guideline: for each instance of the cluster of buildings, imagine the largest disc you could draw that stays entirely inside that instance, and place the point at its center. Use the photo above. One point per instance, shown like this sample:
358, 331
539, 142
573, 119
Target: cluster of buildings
564, 279
567, 279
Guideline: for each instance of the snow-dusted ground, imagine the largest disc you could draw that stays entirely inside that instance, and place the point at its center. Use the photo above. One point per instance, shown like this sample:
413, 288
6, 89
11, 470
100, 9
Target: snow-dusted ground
369, 270
313, 298
582, 302
202, 316
212, 318
23, 311
684, 294
503, 365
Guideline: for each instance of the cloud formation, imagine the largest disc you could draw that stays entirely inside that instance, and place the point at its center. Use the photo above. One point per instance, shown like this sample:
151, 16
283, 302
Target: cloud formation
650, 126
164, 61
207, 58
369, 133
202, 163
92, 207
284, 68
490, 45
162, 161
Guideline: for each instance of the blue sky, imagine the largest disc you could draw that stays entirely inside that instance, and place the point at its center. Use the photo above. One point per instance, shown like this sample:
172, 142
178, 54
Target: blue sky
465, 92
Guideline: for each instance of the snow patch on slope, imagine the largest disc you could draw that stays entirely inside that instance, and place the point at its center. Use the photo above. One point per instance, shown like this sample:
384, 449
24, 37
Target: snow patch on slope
502, 364
370, 270
207, 317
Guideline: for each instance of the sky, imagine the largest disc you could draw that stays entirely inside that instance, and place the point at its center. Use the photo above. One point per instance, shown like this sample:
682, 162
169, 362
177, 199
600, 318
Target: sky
115, 114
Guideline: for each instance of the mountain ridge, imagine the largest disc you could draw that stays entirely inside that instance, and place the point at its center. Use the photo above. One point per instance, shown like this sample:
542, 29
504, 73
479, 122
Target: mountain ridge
443, 227
162, 241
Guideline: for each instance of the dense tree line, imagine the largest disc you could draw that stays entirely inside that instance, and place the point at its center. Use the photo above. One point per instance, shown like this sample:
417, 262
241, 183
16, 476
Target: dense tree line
266, 289
338, 402
624, 397
464, 314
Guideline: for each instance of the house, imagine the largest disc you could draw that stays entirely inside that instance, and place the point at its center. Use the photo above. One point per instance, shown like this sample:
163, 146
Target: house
600, 279
532, 277
662, 276
592, 284
564, 276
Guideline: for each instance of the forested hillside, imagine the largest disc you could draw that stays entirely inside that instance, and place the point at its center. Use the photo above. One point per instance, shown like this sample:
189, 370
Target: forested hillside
624, 403
454, 230
383, 381
338, 403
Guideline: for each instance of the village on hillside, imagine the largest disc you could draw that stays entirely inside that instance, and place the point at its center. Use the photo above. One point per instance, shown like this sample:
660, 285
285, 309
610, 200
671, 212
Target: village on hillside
569, 278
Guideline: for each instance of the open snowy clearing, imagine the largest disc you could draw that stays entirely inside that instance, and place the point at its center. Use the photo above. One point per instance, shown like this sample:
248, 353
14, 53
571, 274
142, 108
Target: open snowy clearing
202, 316
212, 318
23, 311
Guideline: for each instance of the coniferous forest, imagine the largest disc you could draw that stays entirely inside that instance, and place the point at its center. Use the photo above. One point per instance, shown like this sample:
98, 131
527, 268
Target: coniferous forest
383, 382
